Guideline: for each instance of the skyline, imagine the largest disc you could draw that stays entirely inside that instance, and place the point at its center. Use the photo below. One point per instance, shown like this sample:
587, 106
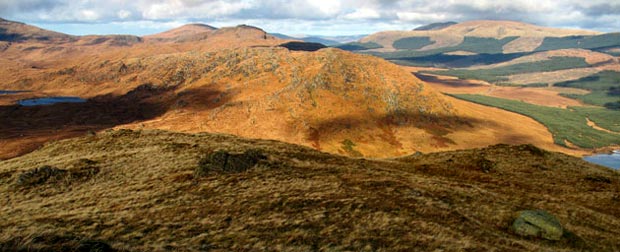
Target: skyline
301, 17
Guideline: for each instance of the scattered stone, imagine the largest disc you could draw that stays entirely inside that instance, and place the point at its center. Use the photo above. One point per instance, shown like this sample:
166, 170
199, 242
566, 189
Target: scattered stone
222, 161
538, 223
485, 165
78, 170
39, 175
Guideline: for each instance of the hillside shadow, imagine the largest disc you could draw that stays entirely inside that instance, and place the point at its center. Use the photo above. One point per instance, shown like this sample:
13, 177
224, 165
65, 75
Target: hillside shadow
30, 127
437, 126
461, 61
447, 82
303, 46
203, 98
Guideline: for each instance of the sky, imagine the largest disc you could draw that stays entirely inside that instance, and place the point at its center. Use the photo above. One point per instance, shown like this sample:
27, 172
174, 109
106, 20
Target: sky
302, 17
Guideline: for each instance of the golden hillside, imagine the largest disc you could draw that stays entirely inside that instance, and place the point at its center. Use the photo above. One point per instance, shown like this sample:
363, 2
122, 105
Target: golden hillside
322, 99
237, 80
331, 100
189, 32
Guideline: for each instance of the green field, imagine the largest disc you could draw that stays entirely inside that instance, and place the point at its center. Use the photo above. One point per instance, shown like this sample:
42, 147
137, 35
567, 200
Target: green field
499, 74
483, 45
471, 44
412, 43
585, 42
565, 124
604, 88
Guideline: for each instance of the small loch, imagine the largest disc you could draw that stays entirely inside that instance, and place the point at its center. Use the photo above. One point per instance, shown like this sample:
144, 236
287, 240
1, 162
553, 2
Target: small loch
609, 160
50, 100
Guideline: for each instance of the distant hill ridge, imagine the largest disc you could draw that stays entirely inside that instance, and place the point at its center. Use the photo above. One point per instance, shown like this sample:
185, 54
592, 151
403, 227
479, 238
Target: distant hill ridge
528, 36
434, 26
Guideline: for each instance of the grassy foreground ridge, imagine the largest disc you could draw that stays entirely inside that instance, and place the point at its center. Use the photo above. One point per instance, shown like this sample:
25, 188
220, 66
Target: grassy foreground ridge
149, 191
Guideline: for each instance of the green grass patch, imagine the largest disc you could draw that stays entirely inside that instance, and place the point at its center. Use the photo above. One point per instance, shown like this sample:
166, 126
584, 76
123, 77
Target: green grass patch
604, 118
483, 45
500, 74
538, 84
564, 124
349, 147
412, 43
471, 44
604, 88
585, 42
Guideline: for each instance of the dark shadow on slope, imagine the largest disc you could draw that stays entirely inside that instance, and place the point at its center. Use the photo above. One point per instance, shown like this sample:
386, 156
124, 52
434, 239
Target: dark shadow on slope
447, 82
436, 125
202, 98
458, 61
35, 125
303, 46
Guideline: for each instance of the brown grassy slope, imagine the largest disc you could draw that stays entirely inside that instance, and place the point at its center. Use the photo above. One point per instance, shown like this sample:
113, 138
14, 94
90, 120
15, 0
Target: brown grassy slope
332, 100
15, 31
317, 99
138, 193
21, 63
184, 33
530, 35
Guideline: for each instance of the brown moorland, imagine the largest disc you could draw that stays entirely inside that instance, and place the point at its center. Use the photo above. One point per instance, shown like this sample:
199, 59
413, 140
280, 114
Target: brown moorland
149, 191
237, 80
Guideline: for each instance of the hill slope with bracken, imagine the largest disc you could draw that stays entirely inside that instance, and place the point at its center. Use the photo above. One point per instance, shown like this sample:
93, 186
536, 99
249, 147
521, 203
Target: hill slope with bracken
237, 80
154, 190
483, 42
528, 36
11, 31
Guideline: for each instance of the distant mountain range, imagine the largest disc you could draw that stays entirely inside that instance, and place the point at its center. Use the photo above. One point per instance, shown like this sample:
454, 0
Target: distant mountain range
496, 44
238, 80
325, 40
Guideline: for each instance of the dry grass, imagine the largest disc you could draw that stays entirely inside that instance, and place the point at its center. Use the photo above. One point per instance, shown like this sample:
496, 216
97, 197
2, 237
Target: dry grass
146, 198
316, 99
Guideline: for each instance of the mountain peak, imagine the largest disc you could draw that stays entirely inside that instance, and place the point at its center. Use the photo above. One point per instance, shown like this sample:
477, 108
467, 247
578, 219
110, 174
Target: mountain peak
243, 32
188, 32
17, 31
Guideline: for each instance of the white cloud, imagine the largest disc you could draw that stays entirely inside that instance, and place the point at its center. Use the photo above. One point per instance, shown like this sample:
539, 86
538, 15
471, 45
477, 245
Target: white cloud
367, 15
363, 13
123, 14
422, 17
88, 15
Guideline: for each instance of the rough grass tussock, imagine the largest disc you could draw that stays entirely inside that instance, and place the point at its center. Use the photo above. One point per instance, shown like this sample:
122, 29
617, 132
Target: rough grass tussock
222, 161
147, 197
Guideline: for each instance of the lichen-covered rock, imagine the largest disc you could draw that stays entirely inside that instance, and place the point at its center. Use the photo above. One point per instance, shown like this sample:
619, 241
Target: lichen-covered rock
39, 175
538, 223
222, 161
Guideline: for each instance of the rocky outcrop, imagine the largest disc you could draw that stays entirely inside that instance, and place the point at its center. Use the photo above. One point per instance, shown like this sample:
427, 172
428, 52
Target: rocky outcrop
538, 223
